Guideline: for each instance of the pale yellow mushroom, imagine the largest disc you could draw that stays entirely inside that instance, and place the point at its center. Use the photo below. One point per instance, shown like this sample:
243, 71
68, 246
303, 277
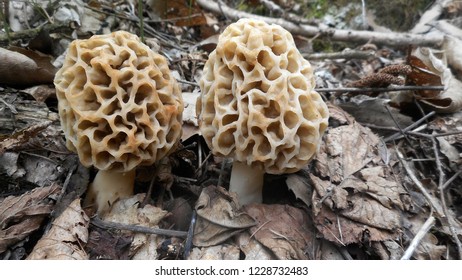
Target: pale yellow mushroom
258, 105
120, 108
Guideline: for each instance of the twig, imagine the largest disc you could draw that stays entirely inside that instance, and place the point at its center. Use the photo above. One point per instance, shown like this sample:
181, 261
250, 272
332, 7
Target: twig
31, 33
443, 198
380, 89
429, 223
189, 238
345, 54
412, 126
390, 38
433, 203
140, 229
397, 125
448, 182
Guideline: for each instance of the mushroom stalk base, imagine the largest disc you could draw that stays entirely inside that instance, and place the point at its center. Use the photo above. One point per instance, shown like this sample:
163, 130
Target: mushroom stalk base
107, 187
247, 182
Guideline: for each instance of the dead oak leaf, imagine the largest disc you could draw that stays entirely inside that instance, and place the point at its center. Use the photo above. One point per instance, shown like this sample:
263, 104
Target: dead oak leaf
66, 237
286, 231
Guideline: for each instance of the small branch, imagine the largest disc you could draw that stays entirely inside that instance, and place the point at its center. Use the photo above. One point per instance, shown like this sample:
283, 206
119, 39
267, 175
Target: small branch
412, 126
429, 223
431, 200
387, 89
442, 176
31, 33
389, 39
140, 229
345, 54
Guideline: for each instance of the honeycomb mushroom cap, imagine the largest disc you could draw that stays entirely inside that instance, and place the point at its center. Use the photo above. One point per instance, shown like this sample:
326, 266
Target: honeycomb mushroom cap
119, 105
258, 102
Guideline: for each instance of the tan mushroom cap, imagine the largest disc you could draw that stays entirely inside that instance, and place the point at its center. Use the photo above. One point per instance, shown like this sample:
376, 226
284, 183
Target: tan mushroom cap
120, 106
258, 102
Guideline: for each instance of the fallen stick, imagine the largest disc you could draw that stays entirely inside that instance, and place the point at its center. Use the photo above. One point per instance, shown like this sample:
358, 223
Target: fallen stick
359, 36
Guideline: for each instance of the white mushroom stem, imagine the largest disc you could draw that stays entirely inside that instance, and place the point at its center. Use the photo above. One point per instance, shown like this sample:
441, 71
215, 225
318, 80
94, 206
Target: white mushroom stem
247, 182
109, 186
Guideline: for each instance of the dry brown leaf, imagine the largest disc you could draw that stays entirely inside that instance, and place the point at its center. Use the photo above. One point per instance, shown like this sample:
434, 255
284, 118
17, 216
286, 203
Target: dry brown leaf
429, 249
21, 137
429, 68
20, 67
357, 200
253, 249
300, 187
218, 252
41, 92
126, 211
22, 215
346, 150
286, 231
184, 13
66, 237
343, 231
219, 217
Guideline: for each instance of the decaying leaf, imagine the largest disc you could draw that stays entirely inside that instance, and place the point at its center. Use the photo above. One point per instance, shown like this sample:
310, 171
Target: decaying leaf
183, 13
218, 252
190, 125
253, 249
285, 230
66, 237
126, 211
219, 217
25, 68
449, 145
21, 137
22, 215
356, 198
104, 244
345, 151
429, 68
300, 187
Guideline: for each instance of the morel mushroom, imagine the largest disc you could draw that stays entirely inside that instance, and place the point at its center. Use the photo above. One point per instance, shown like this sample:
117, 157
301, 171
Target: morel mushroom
258, 105
120, 108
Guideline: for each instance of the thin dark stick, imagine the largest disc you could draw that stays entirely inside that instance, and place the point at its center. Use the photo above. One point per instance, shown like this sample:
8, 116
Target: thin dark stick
189, 237
397, 125
412, 126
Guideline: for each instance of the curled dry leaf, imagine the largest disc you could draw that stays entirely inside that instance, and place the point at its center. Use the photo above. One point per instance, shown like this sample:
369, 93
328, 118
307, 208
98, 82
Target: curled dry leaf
429, 68
126, 211
219, 217
22, 215
66, 237
21, 67
286, 231
356, 198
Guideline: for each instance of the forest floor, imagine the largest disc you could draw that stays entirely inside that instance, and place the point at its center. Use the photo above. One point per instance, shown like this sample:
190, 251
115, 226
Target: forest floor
385, 183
